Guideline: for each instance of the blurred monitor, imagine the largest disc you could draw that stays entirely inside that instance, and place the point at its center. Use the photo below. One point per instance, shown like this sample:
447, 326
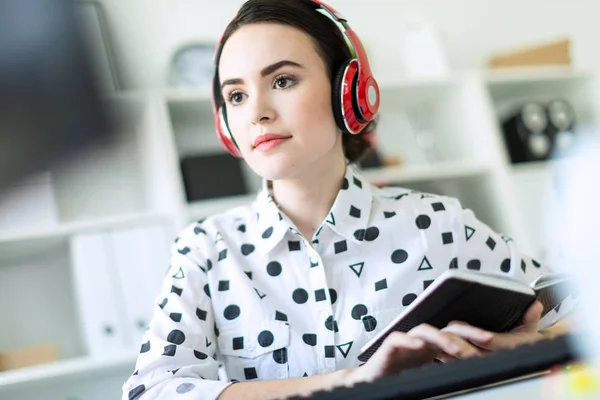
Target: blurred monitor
50, 105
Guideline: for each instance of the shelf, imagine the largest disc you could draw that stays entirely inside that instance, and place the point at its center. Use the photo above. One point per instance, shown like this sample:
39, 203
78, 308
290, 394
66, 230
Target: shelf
203, 208
71, 369
47, 237
442, 171
534, 74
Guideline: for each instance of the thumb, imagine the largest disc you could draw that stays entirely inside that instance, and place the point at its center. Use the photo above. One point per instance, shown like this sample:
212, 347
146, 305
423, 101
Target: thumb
533, 314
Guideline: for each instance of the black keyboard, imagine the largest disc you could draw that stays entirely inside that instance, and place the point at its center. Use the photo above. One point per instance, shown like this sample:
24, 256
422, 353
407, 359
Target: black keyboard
434, 380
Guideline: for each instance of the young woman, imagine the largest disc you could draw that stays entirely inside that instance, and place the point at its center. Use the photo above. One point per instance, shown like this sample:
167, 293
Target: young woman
284, 292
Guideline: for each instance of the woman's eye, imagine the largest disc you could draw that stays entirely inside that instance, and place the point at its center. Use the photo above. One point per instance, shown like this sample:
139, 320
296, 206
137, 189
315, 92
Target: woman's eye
284, 82
236, 97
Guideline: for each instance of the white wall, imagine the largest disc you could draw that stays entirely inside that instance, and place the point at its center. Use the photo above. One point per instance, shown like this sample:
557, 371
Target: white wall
147, 32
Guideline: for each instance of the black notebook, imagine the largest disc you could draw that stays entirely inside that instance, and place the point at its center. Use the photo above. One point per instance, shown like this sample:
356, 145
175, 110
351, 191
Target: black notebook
490, 302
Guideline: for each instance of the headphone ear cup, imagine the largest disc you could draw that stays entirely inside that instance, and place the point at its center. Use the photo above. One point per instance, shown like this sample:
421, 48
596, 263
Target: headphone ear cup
224, 134
337, 99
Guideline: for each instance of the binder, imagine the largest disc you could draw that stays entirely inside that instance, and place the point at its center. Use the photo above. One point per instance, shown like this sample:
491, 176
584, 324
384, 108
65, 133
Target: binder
98, 297
141, 257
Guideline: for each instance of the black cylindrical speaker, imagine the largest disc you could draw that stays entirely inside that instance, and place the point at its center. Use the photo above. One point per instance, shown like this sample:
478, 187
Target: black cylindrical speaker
561, 118
525, 133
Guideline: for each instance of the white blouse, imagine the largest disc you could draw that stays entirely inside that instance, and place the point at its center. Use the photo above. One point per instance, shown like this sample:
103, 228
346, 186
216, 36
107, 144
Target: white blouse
248, 298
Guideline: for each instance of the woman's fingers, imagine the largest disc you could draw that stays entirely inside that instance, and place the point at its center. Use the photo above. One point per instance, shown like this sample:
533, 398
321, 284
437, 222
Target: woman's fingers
469, 332
447, 342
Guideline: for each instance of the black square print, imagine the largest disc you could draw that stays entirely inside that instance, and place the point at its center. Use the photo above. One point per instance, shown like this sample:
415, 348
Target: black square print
222, 255
238, 343
250, 373
329, 352
340, 247
491, 243
320, 295
447, 238
382, 284
438, 207
354, 212
294, 245
223, 286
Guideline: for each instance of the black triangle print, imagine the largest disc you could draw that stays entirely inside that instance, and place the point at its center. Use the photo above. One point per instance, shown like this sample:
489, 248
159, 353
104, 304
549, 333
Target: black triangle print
358, 271
207, 342
425, 265
259, 293
469, 232
400, 196
179, 274
219, 238
249, 273
331, 219
305, 375
348, 347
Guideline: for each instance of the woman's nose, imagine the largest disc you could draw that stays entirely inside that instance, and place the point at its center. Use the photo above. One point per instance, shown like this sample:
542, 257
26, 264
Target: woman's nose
263, 110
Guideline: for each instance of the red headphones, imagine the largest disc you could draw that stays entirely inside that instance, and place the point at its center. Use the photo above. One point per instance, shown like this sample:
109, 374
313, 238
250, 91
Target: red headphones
355, 90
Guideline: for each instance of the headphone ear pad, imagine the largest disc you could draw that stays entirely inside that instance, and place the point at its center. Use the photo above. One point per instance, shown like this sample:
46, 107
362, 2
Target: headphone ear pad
224, 134
337, 86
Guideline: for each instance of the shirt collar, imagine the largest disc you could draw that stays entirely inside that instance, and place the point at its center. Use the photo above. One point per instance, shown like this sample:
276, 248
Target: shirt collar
349, 216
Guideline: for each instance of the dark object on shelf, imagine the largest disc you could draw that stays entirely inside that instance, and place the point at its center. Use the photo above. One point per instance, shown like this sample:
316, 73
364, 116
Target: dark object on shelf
213, 175
526, 134
561, 118
470, 374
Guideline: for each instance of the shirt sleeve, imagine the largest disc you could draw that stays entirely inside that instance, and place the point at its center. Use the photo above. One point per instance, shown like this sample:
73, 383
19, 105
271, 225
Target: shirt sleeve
483, 249
178, 351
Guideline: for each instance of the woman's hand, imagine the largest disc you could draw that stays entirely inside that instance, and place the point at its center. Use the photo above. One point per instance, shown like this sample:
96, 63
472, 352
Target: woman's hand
525, 332
422, 345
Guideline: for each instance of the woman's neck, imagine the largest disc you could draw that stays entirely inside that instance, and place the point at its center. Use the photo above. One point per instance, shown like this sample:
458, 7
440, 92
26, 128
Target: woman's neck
307, 199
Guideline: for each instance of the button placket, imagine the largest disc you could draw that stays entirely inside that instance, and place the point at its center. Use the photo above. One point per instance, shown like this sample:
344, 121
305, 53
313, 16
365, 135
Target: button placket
318, 280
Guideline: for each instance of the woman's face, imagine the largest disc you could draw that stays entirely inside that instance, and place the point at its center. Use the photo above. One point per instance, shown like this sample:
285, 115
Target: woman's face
275, 83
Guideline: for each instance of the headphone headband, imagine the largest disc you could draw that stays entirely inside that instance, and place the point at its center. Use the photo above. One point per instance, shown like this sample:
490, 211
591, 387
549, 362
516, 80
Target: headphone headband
355, 91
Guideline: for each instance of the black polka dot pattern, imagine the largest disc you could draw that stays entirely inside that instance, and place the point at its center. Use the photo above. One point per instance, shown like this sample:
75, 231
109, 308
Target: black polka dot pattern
399, 256
423, 222
408, 299
505, 266
374, 251
185, 388
135, 392
358, 311
265, 338
310, 339
300, 296
274, 268
176, 337
231, 312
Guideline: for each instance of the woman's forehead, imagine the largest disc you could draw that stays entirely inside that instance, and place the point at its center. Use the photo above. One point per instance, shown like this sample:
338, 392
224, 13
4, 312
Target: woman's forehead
254, 46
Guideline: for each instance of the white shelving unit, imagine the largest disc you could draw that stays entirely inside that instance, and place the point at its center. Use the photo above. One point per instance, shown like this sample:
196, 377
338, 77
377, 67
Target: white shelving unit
445, 131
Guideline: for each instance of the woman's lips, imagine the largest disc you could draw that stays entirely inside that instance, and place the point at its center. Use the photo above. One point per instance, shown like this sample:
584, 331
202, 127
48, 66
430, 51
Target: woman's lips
269, 141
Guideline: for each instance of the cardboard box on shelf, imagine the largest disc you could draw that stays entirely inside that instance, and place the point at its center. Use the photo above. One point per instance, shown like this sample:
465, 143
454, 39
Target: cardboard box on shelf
28, 356
551, 53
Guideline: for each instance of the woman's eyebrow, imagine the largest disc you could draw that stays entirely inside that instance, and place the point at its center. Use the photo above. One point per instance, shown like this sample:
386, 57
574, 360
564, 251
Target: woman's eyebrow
264, 72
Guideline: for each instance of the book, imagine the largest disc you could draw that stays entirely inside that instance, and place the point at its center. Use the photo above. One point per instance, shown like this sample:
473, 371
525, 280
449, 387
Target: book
491, 302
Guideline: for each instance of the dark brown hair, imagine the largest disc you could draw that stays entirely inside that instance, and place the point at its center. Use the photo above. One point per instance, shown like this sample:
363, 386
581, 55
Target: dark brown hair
330, 44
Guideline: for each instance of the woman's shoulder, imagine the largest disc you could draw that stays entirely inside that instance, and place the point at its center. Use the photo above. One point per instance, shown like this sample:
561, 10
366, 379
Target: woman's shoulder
218, 226
396, 198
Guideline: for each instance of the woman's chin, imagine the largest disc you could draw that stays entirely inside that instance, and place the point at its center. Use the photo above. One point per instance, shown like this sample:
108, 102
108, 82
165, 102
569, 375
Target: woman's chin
274, 169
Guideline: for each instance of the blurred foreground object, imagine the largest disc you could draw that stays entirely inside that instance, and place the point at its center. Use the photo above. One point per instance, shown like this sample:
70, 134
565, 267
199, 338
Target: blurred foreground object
576, 220
50, 103
551, 53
